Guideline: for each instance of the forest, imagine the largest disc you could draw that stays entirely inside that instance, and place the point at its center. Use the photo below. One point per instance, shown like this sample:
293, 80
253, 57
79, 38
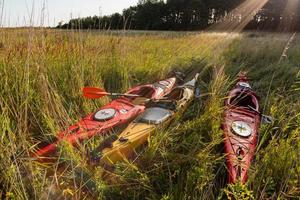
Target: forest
191, 15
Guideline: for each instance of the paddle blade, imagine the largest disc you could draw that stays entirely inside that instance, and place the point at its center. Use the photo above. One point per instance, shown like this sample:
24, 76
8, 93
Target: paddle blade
93, 93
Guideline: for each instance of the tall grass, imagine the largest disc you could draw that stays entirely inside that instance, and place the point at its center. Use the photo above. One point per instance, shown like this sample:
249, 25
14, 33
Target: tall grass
43, 71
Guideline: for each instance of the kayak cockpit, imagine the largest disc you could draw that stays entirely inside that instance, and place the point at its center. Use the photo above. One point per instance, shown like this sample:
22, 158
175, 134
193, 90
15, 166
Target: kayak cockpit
246, 100
144, 91
176, 94
144, 94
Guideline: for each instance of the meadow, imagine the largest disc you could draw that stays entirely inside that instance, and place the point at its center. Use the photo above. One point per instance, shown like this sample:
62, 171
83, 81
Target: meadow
42, 72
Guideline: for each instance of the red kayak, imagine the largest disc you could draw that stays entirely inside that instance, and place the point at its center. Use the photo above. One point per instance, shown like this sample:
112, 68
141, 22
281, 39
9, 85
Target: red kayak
241, 123
116, 114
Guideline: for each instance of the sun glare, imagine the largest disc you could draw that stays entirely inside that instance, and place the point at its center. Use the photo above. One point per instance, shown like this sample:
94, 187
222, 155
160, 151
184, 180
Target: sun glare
235, 21
289, 16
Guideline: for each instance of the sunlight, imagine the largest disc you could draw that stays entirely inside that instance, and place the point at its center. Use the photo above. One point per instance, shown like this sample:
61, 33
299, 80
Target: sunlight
289, 16
235, 21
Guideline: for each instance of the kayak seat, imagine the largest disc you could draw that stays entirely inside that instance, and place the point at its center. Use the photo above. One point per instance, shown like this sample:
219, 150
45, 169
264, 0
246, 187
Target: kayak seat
170, 101
176, 94
244, 100
154, 115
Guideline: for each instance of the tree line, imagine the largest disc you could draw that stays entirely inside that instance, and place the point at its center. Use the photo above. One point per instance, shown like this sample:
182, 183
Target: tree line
183, 15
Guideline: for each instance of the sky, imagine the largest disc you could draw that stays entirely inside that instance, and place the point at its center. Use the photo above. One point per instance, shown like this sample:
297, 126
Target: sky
18, 12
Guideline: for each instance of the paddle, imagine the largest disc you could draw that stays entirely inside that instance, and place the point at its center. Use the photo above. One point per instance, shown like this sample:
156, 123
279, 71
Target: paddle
97, 93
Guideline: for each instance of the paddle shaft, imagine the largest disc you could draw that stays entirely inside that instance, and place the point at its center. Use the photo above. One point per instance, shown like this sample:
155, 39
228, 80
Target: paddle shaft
118, 94
96, 93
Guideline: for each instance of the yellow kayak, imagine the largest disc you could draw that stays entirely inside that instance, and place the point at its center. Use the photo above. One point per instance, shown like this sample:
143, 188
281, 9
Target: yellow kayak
158, 114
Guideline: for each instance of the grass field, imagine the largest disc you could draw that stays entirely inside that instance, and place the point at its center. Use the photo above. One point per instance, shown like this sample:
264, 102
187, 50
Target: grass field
41, 76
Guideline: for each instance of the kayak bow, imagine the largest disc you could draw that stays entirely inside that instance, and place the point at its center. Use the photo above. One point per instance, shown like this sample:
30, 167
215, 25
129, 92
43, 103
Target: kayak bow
118, 113
157, 114
240, 126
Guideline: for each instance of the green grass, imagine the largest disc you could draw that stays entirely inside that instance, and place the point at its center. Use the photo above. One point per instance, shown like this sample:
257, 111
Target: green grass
43, 71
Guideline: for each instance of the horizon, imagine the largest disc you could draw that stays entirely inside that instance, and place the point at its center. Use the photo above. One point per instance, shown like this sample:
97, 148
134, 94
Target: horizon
24, 13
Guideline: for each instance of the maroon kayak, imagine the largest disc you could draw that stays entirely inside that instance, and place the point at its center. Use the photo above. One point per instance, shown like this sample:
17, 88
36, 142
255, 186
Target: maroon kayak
240, 126
116, 114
